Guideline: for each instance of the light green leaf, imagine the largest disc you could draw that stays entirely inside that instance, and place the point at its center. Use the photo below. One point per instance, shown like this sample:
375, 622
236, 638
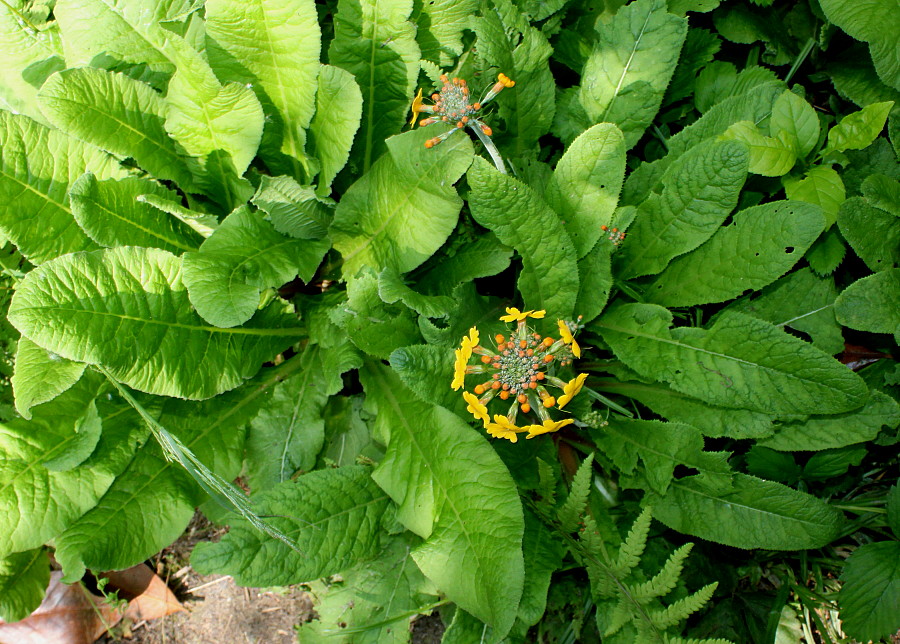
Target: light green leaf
241, 258
399, 213
24, 577
122, 116
374, 41
858, 130
273, 47
333, 515
481, 257
37, 165
882, 192
289, 432
769, 156
830, 432
202, 223
88, 427
870, 593
795, 121
871, 304
391, 289
585, 185
338, 113
753, 514
151, 503
40, 376
111, 214
801, 301
761, 244
549, 278
633, 60
294, 210
454, 492
739, 362
439, 28
875, 22
36, 503
700, 189
128, 309
822, 186
873, 233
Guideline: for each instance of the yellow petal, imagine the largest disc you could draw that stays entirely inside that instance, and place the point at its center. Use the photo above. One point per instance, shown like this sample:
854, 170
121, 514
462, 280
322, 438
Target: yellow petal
566, 334
571, 389
548, 426
475, 408
416, 104
459, 370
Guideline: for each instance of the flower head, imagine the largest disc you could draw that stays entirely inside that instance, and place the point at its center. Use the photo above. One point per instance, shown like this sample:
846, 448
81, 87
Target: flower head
515, 315
571, 389
476, 408
547, 426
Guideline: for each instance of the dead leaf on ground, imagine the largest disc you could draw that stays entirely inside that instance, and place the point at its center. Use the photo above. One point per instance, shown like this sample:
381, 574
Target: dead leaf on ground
149, 597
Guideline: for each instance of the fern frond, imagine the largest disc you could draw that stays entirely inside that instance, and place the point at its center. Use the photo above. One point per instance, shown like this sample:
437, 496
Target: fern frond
683, 608
666, 579
432, 71
570, 513
630, 552
546, 487
675, 639
620, 615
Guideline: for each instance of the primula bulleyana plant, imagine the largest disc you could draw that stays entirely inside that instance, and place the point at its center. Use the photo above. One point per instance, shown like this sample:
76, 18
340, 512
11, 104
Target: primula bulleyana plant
233, 272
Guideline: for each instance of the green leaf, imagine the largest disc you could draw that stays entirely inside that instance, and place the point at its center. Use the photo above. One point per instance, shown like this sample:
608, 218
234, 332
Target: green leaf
454, 492
338, 113
893, 509
754, 514
699, 191
128, 309
241, 258
36, 503
858, 130
289, 432
822, 186
374, 41
585, 185
833, 462
595, 280
769, 156
391, 289
110, 213
40, 376
699, 48
795, 121
874, 22
427, 370
294, 210
543, 552
761, 244
401, 211
871, 232
870, 304
440, 26
481, 257
333, 515
549, 277
660, 447
830, 432
769, 464
274, 49
882, 192
634, 57
24, 577
801, 301
87, 434
37, 165
870, 593
118, 114
826, 253
739, 362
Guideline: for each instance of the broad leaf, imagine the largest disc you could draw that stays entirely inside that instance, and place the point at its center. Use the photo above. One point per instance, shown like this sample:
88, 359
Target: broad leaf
294, 210
870, 304
24, 577
543, 552
40, 376
822, 186
392, 289
795, 121
338, 113
128, 309
440, 26
875, 22
858, 130
739, 362
871, 232
595, 280
870, 593
482, 257
769, 156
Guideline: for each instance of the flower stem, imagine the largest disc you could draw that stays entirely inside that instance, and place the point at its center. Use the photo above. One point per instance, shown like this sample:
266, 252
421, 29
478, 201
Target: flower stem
491, 148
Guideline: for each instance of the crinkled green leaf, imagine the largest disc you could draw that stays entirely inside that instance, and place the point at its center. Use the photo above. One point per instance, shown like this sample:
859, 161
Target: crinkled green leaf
776, 466
858, 130
802, 301
761, 244
871, 304
739, 362
128, 309
241, 258
375, 41
882, 192
36, 503
439, 28
401, 211
549, 278
481, 257
878, 158
202, 223
871, 232
472, 309
40, 376
699, 48
427, 370
769, 156
338, 113
24, 577
753, 514
828, 432
272, 47
595, 280
854, 77
391, 289
699, 192
294, 210
826, 253
87, 429
111, 214
870, 593
585, 185
797, 120
875, 22
118, 114
454, 492
289, 432
822, 186
333, 515
633, 60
